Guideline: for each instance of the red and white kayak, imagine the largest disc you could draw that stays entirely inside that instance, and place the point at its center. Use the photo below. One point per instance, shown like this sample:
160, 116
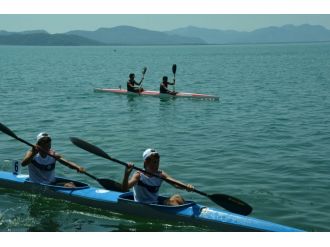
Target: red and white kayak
157, 94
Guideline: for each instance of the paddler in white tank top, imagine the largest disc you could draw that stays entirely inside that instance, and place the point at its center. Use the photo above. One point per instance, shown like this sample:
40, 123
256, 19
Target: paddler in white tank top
41, 166
146, 187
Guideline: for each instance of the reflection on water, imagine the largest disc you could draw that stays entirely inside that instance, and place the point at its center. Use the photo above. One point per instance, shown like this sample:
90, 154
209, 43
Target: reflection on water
45, 218
35, 213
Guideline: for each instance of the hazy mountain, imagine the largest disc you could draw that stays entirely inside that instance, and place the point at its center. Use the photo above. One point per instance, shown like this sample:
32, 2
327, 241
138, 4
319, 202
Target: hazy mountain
210, 36
126, 35
44, 39
3, 32
287, 33
290, 33
33, 31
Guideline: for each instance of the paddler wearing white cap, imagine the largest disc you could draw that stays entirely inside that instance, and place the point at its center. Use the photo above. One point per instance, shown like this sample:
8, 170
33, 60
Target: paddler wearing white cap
146, 186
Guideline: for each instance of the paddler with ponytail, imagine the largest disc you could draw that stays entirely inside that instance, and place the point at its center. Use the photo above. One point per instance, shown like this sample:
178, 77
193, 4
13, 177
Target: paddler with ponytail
41, 166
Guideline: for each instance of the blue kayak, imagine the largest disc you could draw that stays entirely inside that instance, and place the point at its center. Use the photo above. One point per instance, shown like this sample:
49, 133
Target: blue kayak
190, 213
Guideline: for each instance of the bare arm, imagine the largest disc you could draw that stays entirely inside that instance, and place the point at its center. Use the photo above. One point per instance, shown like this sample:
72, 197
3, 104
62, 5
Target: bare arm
176, 183
172, 83
71, 164
139, 83
165, 88
29, 156
129, 183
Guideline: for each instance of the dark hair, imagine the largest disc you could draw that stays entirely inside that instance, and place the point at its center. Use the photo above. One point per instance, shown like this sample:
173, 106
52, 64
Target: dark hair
165, 78
131, 75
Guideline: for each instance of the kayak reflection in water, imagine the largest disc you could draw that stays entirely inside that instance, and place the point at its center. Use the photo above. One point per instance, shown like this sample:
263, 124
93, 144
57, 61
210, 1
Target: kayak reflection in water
164, 86
146, 187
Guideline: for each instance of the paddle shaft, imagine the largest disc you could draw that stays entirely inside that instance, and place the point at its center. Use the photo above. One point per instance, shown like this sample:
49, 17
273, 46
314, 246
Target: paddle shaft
174, 71
144, 70
12, 134
43, 150
228, 202
219, 199
91, 176
155, 175
99, 152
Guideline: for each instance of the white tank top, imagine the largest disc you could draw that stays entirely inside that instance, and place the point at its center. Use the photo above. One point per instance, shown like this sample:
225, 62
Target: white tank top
42, 170
146, 190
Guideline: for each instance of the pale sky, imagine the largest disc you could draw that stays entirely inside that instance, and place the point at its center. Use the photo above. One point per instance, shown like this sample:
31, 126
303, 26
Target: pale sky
62, 23
56, 16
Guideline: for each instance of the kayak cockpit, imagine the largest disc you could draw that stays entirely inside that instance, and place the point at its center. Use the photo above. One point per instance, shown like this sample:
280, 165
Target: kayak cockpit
129, 198
62, 184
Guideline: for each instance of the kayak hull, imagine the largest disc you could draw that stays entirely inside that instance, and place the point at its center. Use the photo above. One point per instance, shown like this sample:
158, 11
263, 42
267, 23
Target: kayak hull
157, 94
189, 213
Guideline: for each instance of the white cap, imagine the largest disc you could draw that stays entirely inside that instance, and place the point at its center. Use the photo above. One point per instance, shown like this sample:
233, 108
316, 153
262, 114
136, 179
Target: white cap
148, 152
42, 135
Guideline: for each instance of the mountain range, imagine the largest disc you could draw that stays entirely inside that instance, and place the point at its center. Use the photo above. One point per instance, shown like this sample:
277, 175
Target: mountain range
42, 38
284, 34
127, 35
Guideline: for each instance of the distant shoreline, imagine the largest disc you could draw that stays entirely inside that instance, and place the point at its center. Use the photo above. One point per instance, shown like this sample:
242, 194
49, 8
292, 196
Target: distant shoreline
132, 36
123, 45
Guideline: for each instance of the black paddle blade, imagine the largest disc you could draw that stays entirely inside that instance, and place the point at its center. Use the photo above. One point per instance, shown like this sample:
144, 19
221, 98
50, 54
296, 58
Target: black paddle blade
110, 184
174, 68
144, 70
89, 147
232, 204
7, 131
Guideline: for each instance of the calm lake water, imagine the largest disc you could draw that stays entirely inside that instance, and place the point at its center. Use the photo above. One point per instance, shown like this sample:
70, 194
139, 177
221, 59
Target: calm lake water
266, 141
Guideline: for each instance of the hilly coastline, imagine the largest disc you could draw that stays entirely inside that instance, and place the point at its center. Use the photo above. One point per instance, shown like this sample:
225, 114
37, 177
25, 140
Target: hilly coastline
284, 34
45, 39
127, 35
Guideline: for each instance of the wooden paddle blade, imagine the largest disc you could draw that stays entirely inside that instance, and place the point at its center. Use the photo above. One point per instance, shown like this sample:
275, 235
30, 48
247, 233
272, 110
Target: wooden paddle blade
174, 68
7, 131
89, 147
110, 184
232, 204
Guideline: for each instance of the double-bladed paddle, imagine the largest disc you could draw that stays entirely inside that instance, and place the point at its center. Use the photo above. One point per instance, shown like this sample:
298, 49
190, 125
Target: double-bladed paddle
174, 71
144, 70
230, 203
106, 183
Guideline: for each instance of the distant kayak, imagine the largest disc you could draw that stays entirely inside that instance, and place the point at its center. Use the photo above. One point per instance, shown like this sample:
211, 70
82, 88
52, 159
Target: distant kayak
157, 94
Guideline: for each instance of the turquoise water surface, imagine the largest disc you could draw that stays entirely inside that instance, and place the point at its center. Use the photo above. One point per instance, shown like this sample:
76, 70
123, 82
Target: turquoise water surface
266, 141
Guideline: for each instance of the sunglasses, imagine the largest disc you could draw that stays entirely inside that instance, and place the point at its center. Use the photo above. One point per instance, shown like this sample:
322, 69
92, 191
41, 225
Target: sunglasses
153, 156
44, 141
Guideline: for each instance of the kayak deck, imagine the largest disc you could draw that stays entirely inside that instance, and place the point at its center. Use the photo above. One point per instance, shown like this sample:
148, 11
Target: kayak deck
190, 213
157, 94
